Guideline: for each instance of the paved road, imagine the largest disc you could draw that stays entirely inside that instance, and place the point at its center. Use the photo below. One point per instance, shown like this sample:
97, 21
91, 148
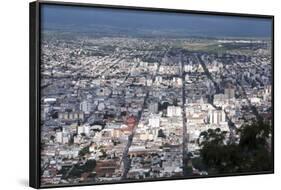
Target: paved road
232, 126
125, 158
185, 139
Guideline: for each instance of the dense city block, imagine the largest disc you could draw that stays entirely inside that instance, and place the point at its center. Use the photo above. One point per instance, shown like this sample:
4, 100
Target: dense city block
134, 108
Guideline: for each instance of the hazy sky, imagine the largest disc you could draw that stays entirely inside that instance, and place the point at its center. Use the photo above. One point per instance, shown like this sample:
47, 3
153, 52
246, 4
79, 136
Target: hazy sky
130, 21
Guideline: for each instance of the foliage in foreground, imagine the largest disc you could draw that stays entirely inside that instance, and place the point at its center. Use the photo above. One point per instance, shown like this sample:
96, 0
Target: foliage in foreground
252, 152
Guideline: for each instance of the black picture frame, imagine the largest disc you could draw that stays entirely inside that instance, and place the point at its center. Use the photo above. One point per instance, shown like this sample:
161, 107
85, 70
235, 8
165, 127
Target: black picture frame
34, 87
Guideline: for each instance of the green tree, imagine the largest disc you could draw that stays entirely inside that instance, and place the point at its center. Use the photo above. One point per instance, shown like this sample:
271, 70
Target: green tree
161, 133
251, 154
89, 166
255, 146
84, 151
52, 137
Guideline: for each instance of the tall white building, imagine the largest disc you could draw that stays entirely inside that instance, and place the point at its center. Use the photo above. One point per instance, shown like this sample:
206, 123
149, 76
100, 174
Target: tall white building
154, 121
80, 129
188, 68
158, 79
65, 139
217, 117
83, 129
86, 107
59, 137
174, 111
87, 129
153, 107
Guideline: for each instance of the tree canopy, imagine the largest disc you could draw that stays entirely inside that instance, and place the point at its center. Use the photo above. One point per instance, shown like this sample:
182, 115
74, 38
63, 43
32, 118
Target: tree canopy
250, 153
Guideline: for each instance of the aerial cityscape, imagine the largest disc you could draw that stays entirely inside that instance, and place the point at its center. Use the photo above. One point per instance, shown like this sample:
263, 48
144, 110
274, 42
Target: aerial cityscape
128, 100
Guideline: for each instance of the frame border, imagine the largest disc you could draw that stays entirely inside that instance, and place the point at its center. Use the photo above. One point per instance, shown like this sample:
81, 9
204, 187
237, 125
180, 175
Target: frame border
34, 88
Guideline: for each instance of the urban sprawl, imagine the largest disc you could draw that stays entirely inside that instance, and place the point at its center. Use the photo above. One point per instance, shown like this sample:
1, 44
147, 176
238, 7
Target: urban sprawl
129, 108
